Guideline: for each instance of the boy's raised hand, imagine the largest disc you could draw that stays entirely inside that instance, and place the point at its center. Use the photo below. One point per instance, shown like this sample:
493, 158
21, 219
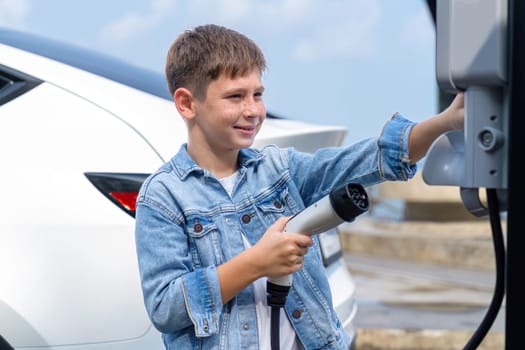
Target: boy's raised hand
455, 112
428, 130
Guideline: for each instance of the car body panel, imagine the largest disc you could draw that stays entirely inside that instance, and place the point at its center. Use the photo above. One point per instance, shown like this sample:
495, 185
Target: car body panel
93, 270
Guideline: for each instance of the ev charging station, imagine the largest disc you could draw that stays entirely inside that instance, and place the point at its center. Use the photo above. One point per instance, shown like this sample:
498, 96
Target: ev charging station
480, 50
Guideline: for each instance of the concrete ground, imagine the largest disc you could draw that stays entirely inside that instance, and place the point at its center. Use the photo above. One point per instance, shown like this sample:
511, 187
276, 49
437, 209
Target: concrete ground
401, 339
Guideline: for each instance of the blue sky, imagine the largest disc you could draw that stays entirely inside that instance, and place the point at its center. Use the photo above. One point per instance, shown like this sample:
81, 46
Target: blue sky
342, 62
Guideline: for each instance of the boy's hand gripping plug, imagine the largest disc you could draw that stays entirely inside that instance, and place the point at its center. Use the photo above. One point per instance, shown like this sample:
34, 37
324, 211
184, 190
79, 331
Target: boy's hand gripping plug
344, 203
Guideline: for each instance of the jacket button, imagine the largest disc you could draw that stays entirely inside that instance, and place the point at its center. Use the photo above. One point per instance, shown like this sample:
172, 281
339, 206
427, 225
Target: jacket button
277, 204
245, 327
197, 228
246, 218
297, 313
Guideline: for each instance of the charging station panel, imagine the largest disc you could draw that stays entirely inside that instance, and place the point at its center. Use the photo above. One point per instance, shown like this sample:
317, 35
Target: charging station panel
471, 56
471, 43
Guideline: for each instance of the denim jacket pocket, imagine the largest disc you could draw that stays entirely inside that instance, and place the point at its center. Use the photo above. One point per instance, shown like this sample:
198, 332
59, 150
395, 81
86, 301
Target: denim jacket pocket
278, 204
204, 236
275, 203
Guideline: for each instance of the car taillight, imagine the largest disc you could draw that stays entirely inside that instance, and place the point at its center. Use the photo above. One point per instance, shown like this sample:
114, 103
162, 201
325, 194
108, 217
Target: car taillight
120, 188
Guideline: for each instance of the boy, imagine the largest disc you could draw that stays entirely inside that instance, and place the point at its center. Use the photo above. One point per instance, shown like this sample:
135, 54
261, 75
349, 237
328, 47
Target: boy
209, 222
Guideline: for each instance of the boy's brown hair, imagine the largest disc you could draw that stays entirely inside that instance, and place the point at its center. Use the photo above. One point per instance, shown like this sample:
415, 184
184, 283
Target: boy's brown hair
199, 56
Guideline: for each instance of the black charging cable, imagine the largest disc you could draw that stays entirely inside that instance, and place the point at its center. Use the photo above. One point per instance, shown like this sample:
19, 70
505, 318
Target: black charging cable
276, 298
499, 290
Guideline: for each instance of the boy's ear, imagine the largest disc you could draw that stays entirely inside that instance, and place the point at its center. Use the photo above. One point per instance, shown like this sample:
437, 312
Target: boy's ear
184, 99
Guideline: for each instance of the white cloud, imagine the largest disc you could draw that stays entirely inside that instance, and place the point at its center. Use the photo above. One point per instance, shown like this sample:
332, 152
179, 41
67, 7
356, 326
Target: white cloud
133, 23
269, 15
347, 31
13, 13
316, 29
321, 29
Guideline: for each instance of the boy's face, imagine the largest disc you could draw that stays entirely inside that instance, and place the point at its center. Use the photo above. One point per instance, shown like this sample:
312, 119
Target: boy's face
232, 113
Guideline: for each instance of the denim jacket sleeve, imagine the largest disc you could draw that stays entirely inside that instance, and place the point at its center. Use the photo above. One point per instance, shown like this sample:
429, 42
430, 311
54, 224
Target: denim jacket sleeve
367, 162
175, 295
393, 161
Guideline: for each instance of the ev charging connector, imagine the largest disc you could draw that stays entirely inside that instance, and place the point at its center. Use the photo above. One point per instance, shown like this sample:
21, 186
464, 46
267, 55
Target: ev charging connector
342, 204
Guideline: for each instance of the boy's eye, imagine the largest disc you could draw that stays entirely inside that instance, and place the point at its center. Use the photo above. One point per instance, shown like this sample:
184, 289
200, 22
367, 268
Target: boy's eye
256, 95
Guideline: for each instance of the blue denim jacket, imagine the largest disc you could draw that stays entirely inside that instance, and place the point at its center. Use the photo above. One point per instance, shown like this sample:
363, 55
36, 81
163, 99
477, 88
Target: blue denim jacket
187, 225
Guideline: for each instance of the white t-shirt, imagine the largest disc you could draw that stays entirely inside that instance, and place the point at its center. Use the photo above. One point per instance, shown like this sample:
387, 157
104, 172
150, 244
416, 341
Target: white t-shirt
287, 336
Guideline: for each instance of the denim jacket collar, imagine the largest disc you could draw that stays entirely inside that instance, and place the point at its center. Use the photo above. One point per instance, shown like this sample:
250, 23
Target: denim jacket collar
184, 165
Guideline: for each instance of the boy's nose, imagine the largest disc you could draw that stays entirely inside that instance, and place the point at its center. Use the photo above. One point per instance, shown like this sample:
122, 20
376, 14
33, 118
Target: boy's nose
253, 108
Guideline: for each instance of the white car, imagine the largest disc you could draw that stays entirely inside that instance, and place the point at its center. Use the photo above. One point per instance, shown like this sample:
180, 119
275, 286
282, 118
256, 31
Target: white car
79, 132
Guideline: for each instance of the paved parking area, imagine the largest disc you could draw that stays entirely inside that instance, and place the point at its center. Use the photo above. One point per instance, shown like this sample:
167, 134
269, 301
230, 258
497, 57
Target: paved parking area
404, 305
